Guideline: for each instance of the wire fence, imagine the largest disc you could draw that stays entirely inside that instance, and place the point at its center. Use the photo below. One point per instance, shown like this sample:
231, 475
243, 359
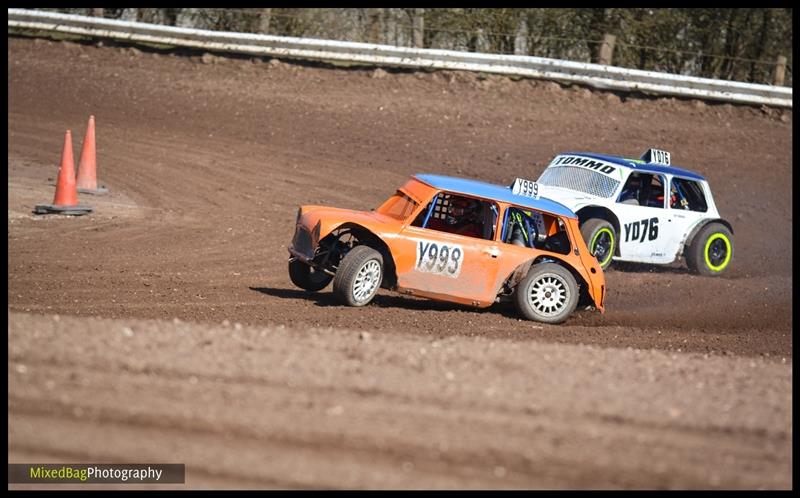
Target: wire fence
732, 44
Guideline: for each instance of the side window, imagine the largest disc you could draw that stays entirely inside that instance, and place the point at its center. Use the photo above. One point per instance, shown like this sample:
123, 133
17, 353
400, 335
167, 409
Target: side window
458, 214
529, 228
687, 194
632, 190
655, 192
436, 209
643, 189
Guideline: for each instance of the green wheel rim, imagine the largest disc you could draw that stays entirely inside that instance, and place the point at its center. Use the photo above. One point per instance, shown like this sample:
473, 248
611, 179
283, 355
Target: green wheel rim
609, 251
721, 255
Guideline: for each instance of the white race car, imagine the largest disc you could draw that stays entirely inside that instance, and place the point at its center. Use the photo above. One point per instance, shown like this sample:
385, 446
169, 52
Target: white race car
640, 210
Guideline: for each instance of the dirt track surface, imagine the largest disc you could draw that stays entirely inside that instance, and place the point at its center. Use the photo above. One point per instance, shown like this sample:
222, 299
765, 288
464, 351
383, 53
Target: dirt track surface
207, 163
332, 408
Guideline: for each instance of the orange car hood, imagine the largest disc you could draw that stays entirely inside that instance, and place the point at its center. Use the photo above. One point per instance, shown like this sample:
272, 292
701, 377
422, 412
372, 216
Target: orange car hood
331, 217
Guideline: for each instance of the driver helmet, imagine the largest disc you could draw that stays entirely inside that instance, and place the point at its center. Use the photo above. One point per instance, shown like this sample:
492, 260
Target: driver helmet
464, 206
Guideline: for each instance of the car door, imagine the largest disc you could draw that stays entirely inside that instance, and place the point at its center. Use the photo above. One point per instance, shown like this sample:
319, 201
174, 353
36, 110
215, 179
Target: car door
688, 209
448, 266
645, 225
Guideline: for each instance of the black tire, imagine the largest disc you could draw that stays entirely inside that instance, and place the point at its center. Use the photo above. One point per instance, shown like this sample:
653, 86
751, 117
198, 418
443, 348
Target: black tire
546, 286
601, 237
711, 250
308, 278
358, 278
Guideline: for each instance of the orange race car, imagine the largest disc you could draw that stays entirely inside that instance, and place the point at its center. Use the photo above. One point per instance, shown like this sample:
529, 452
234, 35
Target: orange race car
451, 239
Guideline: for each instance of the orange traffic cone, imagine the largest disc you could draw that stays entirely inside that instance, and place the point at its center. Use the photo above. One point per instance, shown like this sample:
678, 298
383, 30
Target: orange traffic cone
66, 198
87, 167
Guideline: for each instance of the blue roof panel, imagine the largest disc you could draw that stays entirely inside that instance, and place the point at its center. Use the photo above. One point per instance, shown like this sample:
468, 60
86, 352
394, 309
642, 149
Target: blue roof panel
486, 190
645, 167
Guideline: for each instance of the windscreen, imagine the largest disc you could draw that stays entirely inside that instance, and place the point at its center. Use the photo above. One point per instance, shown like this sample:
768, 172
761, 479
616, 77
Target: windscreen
580, 179
398, 206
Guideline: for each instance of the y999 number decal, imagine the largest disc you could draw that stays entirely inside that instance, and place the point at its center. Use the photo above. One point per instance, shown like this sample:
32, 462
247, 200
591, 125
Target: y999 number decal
443, 259
524, 187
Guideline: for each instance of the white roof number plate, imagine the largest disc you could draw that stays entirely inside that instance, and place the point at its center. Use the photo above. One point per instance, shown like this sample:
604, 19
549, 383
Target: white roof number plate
528, 188
657, 156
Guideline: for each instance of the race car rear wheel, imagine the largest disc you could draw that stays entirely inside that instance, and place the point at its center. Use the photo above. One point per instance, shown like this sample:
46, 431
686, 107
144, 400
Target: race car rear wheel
306, 277
359, 276
711, 250
548, 293
601, 239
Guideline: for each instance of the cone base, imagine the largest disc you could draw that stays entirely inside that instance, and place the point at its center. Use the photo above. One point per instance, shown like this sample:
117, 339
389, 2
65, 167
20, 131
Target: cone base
93, 191
76, 210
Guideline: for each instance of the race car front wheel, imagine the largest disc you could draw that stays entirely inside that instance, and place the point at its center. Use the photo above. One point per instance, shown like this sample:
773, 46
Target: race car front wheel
549, 293
601, 240
306, 277
359, 276
711, 250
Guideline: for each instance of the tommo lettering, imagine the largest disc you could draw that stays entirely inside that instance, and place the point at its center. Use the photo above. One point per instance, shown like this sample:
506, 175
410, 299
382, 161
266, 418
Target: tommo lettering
600, 166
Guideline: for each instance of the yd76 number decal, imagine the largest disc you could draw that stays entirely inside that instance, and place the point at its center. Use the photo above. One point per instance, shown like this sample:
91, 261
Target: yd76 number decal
638, 231
435, 257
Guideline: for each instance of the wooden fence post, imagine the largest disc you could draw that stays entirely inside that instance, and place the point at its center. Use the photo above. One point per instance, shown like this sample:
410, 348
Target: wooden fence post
780, 71
419, 28
374, 25
264, 18
607, 49
521, 37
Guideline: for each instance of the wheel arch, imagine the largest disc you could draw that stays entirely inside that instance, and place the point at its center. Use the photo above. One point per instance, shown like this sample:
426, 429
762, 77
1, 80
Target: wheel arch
369, 238
516, 276
589, 212
699, 227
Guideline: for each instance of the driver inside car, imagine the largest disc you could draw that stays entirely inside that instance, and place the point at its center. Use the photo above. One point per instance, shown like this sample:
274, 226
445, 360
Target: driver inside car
465, 217
630, 194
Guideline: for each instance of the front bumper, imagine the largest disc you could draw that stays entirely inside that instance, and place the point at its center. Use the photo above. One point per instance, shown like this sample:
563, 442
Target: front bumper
302, 246
304, 242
